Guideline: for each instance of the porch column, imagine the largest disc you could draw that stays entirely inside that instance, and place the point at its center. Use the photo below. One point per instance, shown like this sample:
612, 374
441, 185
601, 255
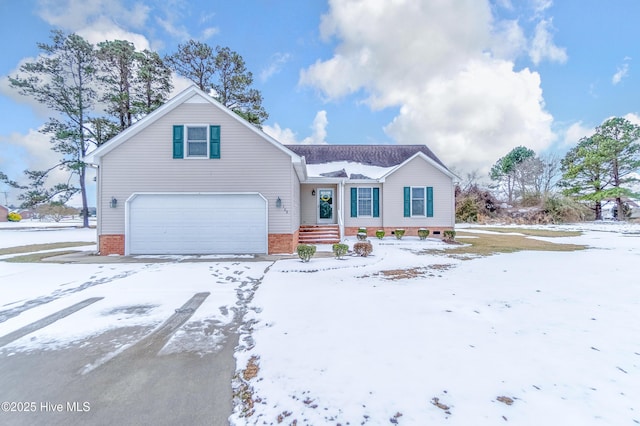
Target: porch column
341, 209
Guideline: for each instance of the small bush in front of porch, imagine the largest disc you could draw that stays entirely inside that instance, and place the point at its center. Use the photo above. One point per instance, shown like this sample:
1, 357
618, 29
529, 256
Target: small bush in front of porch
363, 248
380, 234
423, 233
449, 235
340, 250
362, 234
306, 251
399, 233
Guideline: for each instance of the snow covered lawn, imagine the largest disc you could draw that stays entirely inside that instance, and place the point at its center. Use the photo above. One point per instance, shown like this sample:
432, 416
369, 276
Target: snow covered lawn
535, 338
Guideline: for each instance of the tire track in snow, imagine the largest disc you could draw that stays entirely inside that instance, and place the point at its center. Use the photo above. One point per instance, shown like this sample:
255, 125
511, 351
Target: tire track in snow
33, 303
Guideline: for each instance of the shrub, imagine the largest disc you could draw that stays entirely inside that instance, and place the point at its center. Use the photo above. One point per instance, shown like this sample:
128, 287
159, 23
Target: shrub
306, 251
467, 210
340, 250
380, 234
423, 233
564, 209
363, 248
449, 235
362, 236
399, 233
14, 217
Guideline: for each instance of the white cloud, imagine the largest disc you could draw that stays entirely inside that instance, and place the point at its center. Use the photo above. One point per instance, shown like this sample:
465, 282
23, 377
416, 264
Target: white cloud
476, 116
540, 6
74, 15
575, 132
288, 136
278, 60
448, 66
621, 73
633, 118
543, 47
104, 29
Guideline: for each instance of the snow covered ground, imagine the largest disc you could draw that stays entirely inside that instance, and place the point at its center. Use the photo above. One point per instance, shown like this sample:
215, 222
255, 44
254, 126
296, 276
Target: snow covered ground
530, 338
399, 337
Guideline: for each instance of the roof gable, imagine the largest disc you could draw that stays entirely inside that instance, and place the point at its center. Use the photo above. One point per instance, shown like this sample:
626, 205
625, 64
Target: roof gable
190, 95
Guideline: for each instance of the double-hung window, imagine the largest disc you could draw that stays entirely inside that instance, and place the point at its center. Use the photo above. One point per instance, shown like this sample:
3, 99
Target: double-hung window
417, 201
365, 204
197, 142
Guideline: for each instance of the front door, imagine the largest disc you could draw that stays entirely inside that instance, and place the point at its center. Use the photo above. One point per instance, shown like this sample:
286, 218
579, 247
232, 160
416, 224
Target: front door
325, 205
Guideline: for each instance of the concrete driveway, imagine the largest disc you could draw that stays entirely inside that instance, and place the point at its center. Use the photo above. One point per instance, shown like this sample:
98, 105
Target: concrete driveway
161, 351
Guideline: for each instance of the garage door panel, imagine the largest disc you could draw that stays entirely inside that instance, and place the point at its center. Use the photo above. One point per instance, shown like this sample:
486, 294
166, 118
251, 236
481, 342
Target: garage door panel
197, 224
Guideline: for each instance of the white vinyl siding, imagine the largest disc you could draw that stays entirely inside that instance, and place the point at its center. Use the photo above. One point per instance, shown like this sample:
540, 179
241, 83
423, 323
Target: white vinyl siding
145, 163
418, 173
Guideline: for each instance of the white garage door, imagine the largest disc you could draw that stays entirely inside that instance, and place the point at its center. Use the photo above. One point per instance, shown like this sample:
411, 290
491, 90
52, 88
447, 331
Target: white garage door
197, 224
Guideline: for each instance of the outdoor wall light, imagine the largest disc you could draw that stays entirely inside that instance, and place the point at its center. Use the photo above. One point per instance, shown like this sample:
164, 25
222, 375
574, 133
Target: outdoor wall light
313, 192
278, 203
114, 202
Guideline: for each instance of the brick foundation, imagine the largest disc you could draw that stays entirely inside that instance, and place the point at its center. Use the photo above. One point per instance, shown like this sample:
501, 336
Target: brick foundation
278, 243
111, 244
283, 243
410, 231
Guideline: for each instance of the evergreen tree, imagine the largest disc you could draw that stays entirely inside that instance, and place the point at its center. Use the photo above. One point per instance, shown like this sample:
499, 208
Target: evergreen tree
602, 166
152, 83
504, 171
63, 78
222, 73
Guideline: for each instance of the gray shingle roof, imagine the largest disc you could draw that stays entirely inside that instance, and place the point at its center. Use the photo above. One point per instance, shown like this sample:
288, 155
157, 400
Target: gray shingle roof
374, 155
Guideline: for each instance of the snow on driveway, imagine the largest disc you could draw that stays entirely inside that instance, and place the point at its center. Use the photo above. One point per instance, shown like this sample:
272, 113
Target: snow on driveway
525, 338
134, 295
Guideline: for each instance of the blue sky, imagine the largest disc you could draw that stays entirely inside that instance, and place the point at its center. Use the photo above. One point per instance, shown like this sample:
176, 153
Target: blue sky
471, 79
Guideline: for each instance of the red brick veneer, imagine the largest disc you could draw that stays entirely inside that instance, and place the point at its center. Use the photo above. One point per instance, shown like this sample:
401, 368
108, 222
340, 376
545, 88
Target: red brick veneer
111, 244
283, 243
410, 231
278, 243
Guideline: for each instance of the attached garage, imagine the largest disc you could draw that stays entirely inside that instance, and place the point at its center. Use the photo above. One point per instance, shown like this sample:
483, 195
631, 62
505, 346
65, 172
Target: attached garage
196, 223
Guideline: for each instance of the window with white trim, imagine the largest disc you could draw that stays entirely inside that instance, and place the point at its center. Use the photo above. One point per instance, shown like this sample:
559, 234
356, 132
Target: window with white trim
197, 142
365, 202
418, 201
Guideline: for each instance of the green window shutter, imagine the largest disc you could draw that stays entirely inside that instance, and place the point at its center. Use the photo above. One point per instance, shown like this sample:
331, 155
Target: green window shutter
354, 202
429, 201
178, 141
214, 142
407, 201
376, 202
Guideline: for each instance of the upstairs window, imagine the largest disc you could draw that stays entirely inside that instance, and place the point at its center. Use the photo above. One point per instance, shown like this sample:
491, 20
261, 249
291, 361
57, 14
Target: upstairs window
196, 141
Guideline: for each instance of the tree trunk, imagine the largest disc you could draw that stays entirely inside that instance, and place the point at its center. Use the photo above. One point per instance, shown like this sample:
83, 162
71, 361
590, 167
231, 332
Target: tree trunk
598, 210
83, 193
620, 206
